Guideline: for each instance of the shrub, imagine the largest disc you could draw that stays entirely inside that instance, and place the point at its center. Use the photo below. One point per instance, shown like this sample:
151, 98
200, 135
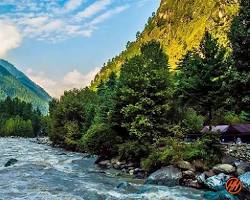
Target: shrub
152, 162
193, 151
232, 118
101, 140
133, 151
192, 121
171, 150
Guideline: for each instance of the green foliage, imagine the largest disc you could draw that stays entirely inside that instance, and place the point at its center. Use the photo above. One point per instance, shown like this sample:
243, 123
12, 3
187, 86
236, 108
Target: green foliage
240, 37
18, 118
170, 150
179, 26
17, 127
133, 151
72, 115
192, 121
100, 139
142, 99
15, 84
203, 77
232, 118
152, 162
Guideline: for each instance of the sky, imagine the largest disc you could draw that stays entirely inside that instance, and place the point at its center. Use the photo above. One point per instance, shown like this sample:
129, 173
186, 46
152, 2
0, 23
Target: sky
62, 44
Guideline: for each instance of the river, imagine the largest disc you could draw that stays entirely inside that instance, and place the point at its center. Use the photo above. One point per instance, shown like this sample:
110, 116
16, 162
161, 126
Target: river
46, 173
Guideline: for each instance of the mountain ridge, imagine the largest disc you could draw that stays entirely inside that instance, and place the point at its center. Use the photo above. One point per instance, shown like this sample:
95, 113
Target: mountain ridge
15, 83
179, 25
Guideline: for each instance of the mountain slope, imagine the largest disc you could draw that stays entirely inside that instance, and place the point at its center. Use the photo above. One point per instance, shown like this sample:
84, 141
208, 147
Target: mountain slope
179, 25
14, 83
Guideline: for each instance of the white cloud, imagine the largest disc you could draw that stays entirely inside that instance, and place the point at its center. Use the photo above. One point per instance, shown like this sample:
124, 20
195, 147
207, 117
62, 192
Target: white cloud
73, 79
99, 19
55, 20
10, 37
72, 4
93, 9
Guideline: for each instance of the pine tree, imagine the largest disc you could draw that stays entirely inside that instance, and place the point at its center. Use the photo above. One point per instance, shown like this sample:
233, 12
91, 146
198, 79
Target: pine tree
203, 76
142, 99
240, 38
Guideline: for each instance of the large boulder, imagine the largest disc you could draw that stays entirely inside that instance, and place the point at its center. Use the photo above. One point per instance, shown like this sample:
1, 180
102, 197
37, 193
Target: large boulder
243, 168
10, 162
185, 165
224, 168
245, 179
168, 176
217, 182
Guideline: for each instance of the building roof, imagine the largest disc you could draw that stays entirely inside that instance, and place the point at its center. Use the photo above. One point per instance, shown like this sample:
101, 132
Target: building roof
240, 128
229, 129
219, 128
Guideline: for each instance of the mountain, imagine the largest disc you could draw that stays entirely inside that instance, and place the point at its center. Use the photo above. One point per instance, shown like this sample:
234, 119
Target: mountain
14, 83
179, 25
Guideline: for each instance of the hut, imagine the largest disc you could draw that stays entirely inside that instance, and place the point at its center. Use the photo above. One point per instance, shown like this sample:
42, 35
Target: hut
229, 133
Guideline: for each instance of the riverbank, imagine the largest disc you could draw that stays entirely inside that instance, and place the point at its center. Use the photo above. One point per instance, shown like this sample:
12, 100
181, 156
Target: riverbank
44, 172
193, 174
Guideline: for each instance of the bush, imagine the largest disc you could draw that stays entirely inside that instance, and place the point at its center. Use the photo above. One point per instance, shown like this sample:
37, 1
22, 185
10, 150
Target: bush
171, 150
192, 121
133, 151
193, 151
157, 159
152, 162
101, 140
232, 118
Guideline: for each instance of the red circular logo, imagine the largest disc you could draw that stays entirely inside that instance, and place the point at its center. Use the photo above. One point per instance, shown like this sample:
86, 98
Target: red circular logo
234, 186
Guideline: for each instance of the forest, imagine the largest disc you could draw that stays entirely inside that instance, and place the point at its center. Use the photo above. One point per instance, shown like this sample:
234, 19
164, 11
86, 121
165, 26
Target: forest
18, 118
145, 114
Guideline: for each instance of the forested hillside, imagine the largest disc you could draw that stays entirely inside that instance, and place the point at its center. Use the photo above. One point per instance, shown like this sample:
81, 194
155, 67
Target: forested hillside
144, 115
14, 83
179, 25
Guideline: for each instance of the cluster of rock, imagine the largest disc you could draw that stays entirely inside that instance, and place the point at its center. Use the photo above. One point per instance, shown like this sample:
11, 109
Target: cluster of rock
194, 175
186, 174
129, 168
43, 140
239, 151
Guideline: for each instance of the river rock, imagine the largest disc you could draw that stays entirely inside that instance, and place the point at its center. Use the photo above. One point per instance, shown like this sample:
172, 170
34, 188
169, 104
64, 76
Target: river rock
201, 178
245, 179
224, 168
217, 182
199, 165
243, 168
104, 164
191, 183
126, 186
184, 165
209, 173
188, 174
131, 172
114, 161
168, 176
10, 162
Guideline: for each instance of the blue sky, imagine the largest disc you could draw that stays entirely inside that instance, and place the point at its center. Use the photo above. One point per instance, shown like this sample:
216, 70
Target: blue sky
61, 44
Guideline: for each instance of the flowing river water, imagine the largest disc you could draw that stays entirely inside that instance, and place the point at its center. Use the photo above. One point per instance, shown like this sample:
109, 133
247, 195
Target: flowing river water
46, 173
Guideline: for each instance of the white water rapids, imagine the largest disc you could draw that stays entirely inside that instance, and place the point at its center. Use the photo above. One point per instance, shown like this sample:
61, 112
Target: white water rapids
46, 173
